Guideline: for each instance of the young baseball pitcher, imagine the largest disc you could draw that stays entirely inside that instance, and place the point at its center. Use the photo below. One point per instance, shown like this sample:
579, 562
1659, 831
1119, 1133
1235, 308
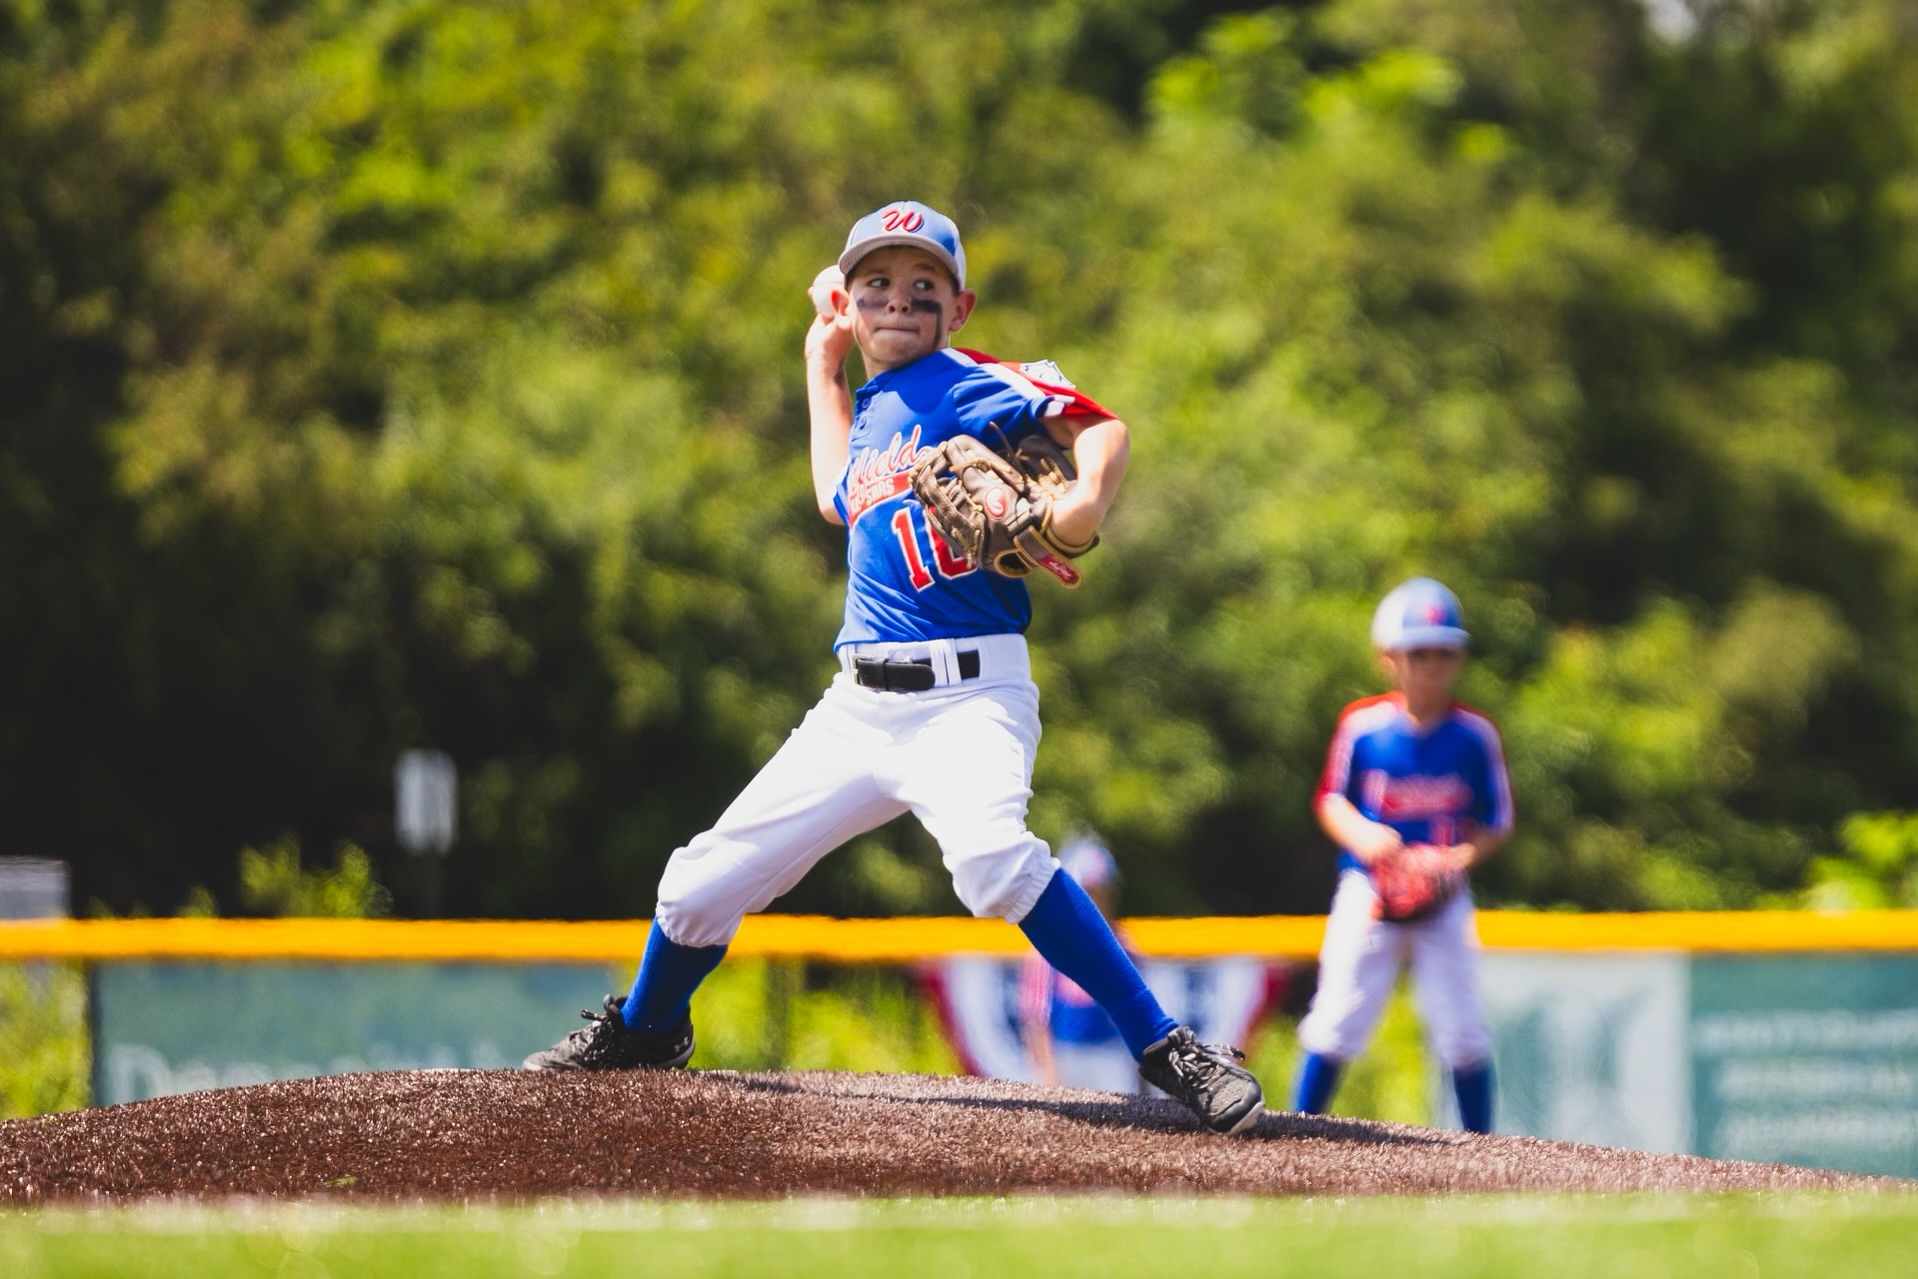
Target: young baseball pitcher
1415, 793
933, 711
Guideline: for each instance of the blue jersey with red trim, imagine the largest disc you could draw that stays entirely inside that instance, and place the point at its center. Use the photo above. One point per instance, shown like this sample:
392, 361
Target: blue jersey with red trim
904, 583
1433, 786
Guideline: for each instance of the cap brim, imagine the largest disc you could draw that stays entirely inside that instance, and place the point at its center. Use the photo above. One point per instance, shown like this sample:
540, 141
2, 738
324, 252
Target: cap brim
1429, 637
854, 252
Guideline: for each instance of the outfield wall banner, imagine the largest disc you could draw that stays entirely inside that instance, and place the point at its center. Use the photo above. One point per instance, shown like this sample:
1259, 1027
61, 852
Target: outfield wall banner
1591, 1047
167, 1027
977, 999
1808, 1059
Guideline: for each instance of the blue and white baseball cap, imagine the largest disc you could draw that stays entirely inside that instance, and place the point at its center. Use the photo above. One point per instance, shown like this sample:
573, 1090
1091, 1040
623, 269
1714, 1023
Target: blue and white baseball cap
1088, 861
1420, 613
911, 223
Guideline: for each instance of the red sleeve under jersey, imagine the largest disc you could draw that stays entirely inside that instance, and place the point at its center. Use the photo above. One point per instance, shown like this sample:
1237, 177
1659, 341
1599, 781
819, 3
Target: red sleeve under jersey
1062, 398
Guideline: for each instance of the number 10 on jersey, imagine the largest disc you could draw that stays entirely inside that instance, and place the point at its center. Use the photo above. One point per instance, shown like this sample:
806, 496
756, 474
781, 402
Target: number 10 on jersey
950, 563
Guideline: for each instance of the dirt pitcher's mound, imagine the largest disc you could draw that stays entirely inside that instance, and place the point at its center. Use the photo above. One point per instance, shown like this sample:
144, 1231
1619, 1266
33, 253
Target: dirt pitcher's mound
460, 1134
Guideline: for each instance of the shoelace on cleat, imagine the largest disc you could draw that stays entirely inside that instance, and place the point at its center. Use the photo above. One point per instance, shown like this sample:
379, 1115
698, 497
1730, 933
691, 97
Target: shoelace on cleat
597, 1037
1195, 1061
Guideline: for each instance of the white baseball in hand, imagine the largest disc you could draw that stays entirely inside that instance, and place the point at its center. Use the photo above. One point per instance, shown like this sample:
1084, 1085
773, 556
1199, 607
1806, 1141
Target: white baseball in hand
828, 293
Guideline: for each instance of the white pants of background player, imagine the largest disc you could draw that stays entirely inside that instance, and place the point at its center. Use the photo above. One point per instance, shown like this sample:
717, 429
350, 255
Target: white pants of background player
957, 756
1359, 963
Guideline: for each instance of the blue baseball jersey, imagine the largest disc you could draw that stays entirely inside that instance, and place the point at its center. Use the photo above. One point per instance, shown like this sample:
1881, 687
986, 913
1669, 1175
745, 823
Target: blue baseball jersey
904, 583
1436, 786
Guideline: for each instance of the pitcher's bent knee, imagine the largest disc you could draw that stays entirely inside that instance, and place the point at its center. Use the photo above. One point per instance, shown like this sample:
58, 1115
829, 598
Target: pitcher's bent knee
702, 899
1005, 883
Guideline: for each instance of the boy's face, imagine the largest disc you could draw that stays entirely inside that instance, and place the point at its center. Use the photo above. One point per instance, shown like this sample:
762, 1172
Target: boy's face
904, 306
1424, 674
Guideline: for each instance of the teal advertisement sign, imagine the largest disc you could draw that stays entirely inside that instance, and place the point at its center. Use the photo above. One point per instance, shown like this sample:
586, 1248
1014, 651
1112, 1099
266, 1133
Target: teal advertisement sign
1808, 1059
1590, 1047
1805, 1059
162, 1028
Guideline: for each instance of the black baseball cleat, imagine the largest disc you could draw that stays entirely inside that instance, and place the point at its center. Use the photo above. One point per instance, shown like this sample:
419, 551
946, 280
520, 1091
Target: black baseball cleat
1207, 1078
606, 1042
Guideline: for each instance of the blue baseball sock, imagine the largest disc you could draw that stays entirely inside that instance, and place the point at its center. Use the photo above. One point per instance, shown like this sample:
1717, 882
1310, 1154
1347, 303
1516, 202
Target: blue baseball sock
1473, 1085
1318, 1080
662, 995
1067, 929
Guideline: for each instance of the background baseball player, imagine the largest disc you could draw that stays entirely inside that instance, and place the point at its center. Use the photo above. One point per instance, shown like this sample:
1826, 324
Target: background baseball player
1415, 793
1071, 1041
934, 711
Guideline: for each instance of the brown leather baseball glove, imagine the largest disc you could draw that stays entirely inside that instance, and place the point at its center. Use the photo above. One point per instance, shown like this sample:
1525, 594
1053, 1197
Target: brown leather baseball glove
1414, 882
996, 509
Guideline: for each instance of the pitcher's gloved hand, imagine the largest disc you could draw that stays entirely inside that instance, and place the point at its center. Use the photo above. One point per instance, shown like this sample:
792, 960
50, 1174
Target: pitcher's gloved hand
996, 509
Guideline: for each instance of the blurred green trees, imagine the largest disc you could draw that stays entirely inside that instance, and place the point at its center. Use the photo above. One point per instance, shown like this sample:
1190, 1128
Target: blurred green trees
405, 373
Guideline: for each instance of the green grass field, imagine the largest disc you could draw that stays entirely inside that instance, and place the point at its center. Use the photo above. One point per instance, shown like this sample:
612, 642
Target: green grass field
1642, 1236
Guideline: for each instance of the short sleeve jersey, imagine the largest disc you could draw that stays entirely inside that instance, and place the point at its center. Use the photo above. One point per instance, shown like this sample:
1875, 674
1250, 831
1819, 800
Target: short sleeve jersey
1436, 786
904, 583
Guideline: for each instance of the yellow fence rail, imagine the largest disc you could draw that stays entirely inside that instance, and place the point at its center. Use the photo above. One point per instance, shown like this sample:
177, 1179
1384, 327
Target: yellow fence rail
901, 940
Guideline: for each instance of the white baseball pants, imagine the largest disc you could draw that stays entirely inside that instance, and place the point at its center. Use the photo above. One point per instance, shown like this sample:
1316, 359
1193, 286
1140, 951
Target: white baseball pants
958, 757
1359, 963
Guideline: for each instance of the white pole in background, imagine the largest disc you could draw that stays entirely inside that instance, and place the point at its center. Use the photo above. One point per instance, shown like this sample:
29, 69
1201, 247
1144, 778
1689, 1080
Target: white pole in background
426, 800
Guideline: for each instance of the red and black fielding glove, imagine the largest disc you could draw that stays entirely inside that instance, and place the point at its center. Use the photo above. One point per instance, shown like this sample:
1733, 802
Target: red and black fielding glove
1413, 882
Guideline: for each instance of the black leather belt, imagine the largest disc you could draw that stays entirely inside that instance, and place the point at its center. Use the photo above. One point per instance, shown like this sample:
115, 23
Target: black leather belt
915, 676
